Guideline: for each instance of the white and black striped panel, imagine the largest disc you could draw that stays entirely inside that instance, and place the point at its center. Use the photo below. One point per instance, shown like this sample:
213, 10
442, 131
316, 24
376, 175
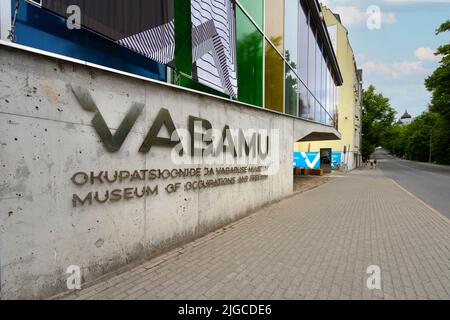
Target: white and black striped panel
217, 11
202, 36
214, 24
157, 43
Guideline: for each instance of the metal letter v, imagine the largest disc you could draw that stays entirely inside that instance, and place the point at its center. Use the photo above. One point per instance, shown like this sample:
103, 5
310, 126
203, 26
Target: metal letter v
112, 143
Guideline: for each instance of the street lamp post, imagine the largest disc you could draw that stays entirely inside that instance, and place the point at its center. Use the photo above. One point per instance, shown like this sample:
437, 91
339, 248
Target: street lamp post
431, 136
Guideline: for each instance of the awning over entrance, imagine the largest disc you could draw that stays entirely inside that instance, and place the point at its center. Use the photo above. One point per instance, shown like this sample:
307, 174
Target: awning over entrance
320, 136
305, 131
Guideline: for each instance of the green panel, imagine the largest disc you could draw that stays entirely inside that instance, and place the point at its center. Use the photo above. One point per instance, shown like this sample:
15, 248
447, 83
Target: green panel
249, 60
274, 79
183, 36
255, 8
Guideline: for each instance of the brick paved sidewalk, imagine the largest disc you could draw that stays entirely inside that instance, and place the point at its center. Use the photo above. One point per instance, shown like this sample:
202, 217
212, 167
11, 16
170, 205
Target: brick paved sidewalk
316, 245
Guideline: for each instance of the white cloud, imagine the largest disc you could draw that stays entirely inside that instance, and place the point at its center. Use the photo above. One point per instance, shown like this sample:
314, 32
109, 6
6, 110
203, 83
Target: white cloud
394, 70
388, 18
426, 54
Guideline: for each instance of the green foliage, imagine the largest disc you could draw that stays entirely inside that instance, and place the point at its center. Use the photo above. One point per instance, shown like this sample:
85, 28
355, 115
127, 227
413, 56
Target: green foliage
441, 141
413, 141
439, 82
377, 119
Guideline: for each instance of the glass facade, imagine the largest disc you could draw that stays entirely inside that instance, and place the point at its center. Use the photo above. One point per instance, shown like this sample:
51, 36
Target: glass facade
282, 60
291, 55
43, 30
274, 79
255, 9
250, 59
311, 81
274, 26
291, 39
291, 91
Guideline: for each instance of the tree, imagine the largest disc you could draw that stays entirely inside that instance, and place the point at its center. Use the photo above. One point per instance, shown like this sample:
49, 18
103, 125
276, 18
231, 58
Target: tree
418, 135
377, 117
412, 141
441, 141
439, 82
393, 139
439, 85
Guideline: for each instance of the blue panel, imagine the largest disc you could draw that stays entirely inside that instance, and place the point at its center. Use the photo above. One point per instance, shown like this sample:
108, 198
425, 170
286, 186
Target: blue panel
307, 160
43, 30
336, 159
311, 160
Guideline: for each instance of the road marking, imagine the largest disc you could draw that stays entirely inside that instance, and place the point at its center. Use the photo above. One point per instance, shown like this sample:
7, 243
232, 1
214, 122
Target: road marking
441, 215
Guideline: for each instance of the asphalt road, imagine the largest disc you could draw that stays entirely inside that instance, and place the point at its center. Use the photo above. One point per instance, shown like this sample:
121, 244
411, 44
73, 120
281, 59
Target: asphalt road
428, 182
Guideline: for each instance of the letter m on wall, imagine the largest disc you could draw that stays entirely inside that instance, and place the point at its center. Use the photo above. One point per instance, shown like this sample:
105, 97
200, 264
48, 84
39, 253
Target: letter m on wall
112, 143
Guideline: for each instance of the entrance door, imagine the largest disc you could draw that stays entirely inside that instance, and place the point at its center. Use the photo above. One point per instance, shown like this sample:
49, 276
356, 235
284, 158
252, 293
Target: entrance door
325, 160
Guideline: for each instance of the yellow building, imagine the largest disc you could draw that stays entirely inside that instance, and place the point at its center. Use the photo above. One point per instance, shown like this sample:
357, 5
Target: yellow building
346, 152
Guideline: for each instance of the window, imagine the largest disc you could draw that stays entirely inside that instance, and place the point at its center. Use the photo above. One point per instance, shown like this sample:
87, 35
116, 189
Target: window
291, 91
290, 32
303, 32
291, 56
250, 64
312, 41
274, 27
318, 76
255, 8
274, 79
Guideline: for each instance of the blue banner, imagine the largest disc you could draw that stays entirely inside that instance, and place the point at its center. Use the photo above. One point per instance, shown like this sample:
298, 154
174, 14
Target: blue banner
307, 160
336, 159
311, 160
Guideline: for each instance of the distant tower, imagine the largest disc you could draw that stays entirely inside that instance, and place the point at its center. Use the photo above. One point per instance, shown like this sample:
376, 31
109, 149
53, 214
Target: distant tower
406, 118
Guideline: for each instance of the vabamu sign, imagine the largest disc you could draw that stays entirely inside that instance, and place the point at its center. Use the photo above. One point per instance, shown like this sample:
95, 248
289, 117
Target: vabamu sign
253, 153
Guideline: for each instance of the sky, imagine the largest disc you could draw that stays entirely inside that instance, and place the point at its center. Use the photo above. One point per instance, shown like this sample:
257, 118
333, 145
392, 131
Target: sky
396, 48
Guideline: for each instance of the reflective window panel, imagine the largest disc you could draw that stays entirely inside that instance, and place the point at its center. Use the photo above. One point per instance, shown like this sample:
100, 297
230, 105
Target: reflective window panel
291, 92
303, 101
249, 60
274, 25
291, 32
255, 8
318, 76
303, 31
311, 70
274, 79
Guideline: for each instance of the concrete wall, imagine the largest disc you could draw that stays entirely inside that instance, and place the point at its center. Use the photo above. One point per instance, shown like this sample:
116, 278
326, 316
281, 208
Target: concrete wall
46, 137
